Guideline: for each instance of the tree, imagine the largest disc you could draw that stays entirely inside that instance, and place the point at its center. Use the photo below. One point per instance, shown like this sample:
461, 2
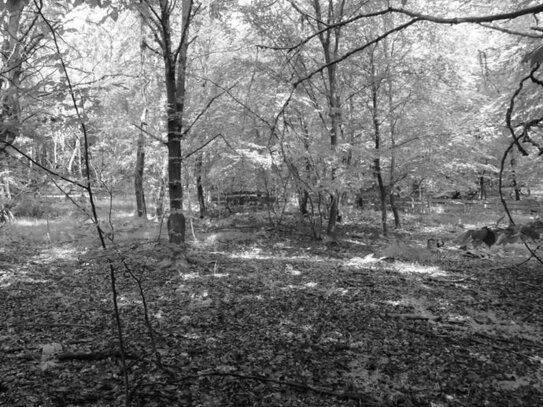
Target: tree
159, 18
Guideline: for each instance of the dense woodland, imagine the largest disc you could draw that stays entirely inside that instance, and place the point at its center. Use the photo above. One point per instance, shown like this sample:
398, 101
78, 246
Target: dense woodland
271, 203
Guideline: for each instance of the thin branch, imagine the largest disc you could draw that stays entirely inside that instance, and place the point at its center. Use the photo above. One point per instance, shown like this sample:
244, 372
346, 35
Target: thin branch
422, 17
356, 50
47, 170
365, 398
476, 19
140, 128
500, 182
112, 276
511, 32
509, 113
185, 29
203, 145
206, 108
241, 103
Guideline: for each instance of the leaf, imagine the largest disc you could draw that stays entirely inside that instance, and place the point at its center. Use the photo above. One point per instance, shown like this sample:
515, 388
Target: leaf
114, 15
534, 57
47, 365
50, 349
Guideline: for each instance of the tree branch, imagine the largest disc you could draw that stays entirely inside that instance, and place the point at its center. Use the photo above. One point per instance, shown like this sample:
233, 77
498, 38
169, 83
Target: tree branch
140, 128
206, 108
511, 32
47, 170
203, 145
355, 51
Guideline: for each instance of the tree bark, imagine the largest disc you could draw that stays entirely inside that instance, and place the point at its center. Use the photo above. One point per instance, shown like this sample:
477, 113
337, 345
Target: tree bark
392, 133
482, 187
138, 176
175, 66
141, 208
514, 182
159, 202
377, 140
329, 40
303, 200
200, 185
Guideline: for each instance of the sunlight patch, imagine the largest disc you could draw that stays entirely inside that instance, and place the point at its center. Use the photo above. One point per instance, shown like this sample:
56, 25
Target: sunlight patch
416, 268
255, 256
8, 277
291, 270
359, 261
190, 276
310, 284
31, 222
61, 253
220, 275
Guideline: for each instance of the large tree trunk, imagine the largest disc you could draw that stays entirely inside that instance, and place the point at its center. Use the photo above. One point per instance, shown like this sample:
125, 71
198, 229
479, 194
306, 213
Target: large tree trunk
329, 40
175, 77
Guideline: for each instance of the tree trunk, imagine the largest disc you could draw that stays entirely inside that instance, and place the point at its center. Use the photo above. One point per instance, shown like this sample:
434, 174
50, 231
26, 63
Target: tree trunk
514, 182
482, 188
141, 208
377, 140
159, 207
382, 194
332, 220
200, 186
303, 193
392, 133
329, 40
303, 201
175, 77
395, 211
138, 177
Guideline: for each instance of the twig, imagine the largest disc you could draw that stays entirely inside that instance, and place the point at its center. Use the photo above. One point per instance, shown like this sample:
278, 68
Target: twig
203, 145
137, 126
52, 325
364, 398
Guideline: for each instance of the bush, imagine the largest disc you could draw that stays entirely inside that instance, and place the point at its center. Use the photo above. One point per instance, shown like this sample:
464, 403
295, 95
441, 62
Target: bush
31, 207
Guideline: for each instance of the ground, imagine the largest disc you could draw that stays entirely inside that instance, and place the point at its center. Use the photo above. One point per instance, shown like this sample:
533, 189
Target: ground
262, 317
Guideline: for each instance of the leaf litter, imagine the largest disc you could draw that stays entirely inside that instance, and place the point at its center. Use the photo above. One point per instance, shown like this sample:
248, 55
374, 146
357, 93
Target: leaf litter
271, 320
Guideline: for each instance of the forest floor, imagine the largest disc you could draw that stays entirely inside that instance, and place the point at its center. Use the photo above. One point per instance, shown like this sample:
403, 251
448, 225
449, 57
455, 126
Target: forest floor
261, 317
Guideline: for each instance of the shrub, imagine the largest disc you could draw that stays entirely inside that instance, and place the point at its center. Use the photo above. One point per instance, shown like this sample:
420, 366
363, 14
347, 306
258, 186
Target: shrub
31, 207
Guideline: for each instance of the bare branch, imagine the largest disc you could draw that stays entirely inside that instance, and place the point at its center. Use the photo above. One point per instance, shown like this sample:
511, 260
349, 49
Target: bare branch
355, 51
511, 32
476, 19
203, 145
140, 128
415, 17
47, 170
206, 108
